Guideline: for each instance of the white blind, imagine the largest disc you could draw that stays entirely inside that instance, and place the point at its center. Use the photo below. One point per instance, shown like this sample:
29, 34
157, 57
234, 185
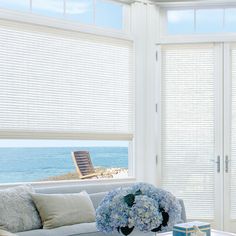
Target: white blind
56, 82
188, 126
233, 138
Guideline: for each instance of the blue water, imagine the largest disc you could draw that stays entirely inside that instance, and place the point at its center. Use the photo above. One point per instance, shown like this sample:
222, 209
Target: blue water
32, 164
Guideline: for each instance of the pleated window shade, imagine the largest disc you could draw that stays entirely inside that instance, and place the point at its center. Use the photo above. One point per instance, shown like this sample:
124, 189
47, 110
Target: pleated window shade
233, 137
187, 131
64, 84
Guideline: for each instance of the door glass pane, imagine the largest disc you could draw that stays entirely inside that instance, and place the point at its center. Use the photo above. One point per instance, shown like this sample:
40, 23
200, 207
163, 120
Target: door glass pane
180, 21
80, 10
54, 8
209, 20
21, 5
109, 14
188, 139
230, 20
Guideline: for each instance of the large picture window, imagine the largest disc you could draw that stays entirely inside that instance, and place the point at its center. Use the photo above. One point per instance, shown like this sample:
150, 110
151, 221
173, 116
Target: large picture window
64, 85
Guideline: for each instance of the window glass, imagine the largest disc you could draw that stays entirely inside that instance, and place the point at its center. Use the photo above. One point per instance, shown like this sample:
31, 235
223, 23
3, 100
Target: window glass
54, 8
209, 20
42, 160
230, 20
180, 21
21, 5
109, 14
80, 10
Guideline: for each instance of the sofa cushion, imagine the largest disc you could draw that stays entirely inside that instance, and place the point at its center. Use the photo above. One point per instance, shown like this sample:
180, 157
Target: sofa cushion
6, 233
17, 210
84, 229
97, 198
64, 209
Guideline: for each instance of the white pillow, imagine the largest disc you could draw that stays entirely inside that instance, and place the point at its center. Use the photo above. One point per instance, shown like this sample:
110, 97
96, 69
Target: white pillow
6, 233
64, 209
17, 210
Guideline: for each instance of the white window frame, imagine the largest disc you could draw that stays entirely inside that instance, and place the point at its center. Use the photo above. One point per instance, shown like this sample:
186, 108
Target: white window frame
192, 38
63, 23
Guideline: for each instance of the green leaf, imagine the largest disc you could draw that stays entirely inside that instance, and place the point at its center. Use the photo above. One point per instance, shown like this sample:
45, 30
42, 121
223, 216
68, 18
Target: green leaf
126, 230
157, 229
139, 192
129, 199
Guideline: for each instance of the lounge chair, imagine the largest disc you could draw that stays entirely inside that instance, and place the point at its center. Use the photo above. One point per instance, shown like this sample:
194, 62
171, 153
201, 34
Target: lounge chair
83, 164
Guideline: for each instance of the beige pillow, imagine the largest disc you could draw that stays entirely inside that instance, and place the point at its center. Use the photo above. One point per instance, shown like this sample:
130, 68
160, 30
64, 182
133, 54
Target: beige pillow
6, 233
64, 209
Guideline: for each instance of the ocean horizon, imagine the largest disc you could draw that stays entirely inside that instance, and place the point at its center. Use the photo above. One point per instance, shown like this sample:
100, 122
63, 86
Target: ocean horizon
26, 164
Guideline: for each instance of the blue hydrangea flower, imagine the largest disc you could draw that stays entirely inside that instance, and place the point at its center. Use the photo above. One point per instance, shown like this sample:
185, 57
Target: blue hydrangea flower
145, 214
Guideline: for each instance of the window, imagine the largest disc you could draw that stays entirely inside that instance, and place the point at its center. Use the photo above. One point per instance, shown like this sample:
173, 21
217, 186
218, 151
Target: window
42, 160
205, 23
53, 8
102, 13
200, 21
108, 14
66, 85
180, 21
19, 5
80, 10
230, 20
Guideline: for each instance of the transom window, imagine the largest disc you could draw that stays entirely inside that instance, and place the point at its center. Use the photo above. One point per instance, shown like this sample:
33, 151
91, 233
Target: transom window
102, 13
200, 20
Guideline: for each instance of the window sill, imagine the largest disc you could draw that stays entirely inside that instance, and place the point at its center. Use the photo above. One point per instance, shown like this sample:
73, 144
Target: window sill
69, 182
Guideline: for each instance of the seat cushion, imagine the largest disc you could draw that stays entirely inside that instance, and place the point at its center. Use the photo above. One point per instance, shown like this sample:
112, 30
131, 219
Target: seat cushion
85, 229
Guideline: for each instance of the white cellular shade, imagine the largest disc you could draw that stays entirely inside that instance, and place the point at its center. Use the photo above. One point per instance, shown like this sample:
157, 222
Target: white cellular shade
187, 130
56, 83
233, 138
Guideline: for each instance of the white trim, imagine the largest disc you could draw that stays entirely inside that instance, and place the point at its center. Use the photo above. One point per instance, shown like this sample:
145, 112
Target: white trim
201, 3
59, 135
197, 38
126, 18
62, 24
69, 182
158, 115
131, 161
218, 129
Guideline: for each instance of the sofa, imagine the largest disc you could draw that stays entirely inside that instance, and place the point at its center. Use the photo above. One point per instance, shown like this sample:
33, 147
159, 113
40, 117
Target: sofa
96, 193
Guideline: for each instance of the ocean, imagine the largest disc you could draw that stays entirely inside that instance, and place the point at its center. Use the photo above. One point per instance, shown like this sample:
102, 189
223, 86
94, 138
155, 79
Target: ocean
34, 164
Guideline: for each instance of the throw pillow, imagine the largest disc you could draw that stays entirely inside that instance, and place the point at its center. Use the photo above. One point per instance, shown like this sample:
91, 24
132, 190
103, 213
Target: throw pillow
17, 210
6, 233
64, 209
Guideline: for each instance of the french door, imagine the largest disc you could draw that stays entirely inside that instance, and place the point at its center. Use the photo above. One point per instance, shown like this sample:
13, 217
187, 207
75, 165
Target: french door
197, 129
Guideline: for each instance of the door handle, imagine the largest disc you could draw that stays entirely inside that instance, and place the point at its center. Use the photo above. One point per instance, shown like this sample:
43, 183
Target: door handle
227, 164
217, 162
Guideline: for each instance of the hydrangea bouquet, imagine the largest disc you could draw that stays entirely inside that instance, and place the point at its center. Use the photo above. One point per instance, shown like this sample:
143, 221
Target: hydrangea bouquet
141, 206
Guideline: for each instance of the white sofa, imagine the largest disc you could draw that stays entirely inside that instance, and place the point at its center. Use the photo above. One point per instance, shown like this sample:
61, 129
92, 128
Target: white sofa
96, 192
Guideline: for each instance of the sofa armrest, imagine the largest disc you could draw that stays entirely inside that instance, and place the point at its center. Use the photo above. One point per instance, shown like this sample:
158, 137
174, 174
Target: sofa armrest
183, 212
